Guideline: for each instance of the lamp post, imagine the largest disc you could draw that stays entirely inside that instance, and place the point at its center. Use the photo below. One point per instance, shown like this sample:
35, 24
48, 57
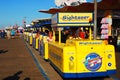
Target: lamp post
95, 19
24, 22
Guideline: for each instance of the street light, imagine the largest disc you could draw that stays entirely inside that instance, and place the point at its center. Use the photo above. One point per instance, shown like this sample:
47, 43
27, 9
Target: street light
24, 22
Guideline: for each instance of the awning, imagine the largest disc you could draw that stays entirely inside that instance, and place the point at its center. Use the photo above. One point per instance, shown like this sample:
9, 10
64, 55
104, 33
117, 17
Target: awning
87, 7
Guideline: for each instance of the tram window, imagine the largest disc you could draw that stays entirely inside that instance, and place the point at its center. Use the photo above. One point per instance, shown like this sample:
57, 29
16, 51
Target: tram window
64, 35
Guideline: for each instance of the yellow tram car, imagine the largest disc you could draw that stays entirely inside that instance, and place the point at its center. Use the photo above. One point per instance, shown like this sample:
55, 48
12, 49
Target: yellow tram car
80, 58
77, 58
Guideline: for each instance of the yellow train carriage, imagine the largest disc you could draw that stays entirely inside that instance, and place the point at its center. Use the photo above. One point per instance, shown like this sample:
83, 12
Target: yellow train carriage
25, 35
34, 39
45, 54
30, 39
37, 43
43, 47
79, 59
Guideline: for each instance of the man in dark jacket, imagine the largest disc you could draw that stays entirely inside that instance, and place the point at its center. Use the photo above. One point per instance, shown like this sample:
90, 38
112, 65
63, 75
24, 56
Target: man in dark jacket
2, 34
64, 35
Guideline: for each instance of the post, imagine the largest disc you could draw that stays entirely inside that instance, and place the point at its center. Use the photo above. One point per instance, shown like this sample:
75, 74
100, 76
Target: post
24, 22
59, 35
95, 19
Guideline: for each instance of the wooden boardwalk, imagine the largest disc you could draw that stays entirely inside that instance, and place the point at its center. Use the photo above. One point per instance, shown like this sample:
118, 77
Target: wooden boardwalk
16, 63
19, 61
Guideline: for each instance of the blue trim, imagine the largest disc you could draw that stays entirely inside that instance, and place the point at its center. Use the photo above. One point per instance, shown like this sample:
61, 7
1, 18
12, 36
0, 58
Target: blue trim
34, 41
43, 23
83, 75
90, 74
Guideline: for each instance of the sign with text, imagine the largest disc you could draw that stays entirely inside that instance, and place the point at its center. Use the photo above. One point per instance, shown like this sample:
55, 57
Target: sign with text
72, 18
75, 17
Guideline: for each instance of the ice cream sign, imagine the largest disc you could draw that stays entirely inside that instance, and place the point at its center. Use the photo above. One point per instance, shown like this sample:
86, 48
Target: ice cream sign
93, 62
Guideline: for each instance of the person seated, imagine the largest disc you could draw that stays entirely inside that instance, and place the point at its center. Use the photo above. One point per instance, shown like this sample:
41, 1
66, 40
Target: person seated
37, 35
86, 34
50, 36
82, 34
64, 35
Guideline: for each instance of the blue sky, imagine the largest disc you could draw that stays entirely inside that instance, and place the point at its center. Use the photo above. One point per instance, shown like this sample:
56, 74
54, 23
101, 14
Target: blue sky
14, 11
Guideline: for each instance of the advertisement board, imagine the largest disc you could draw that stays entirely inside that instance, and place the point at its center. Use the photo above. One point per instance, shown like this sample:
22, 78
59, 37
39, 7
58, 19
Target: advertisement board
69, 19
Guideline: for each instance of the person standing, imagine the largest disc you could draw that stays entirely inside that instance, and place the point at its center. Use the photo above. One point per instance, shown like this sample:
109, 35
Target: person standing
2, 34
8, 34
12, 33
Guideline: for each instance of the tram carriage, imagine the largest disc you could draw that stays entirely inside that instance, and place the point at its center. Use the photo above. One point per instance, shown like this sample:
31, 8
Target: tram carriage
77, 58
30, 39
80, 58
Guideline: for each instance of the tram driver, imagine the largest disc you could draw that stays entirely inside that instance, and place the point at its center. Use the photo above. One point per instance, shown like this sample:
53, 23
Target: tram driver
64, 35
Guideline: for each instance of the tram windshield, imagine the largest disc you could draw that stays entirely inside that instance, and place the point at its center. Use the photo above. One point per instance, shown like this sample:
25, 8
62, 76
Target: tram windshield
72, 33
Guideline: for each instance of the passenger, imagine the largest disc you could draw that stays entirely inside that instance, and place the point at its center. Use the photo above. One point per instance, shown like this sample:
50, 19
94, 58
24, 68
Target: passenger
82, 34
46, 33
86, 34
37, 35
64, 35
77, 32
50, 36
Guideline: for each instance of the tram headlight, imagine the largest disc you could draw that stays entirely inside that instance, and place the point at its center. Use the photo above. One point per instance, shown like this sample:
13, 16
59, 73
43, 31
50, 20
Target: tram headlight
109, 64
71, 58
109, 56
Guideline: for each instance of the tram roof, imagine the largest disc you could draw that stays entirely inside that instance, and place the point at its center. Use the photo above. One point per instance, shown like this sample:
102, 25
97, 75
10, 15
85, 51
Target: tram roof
87, 7
41, 22
41, 19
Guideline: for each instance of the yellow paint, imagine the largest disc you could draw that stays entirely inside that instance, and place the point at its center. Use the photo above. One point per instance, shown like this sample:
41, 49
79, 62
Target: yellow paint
59, 35
87, 24
109, 49
37, 40
60, 55
45, 47
31, 40
74, 17
90, 37
45, 51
